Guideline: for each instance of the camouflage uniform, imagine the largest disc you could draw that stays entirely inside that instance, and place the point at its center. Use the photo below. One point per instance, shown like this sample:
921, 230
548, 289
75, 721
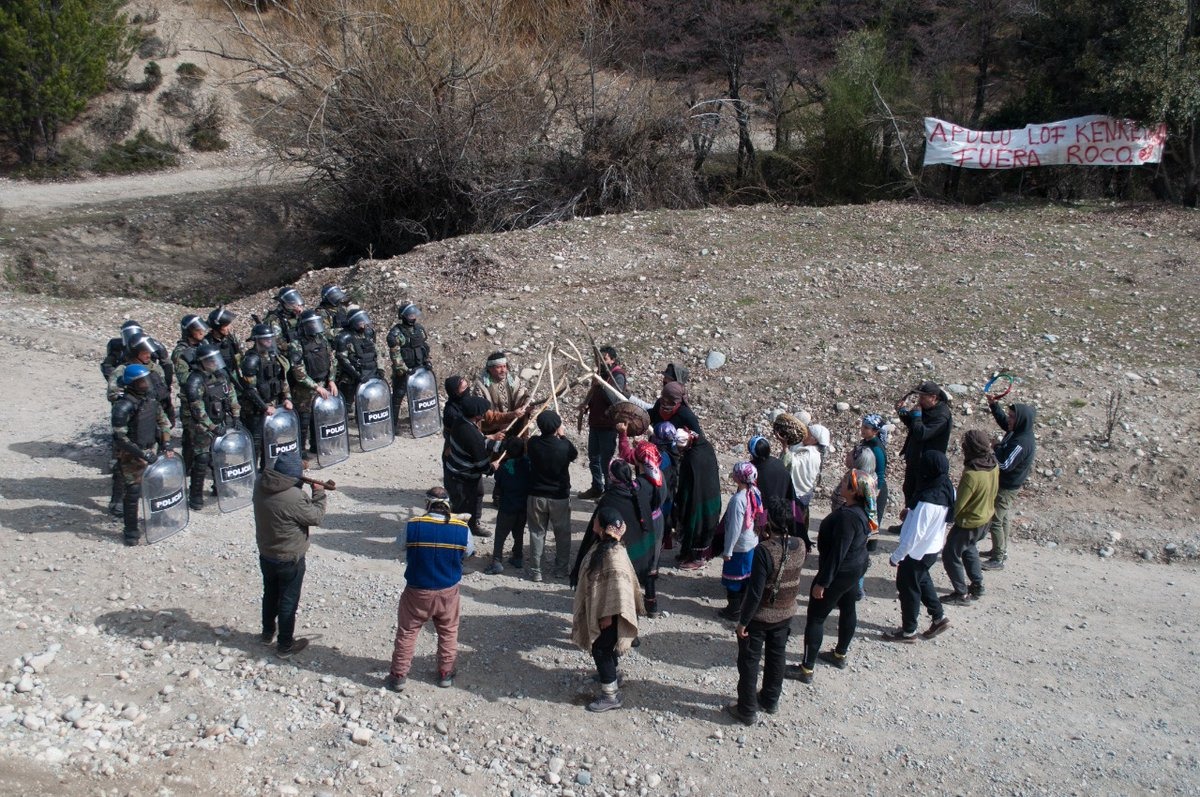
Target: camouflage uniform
285, 324
264, 379
358, 361
183, 359
313, 365
334, 317
138, 423
408, 347
231, 353
212, 406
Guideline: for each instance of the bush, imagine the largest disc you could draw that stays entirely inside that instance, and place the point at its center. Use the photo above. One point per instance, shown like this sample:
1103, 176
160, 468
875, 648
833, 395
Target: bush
142, 153
113, 122
71, 159
54, 57
153, 78
204, 132
151, 46
179, 100
190, 73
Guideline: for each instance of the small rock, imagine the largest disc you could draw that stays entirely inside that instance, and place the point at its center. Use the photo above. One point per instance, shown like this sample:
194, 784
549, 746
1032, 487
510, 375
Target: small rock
1146, 554
215, 730
441, 727
584, 778
243, 722
653, 779
1170, 549
1106, 552
24, 685
842, 406
958, 390
1133, 377
556, 765
361, 736
147, 645
1050, 338
53, 755
553, 778
714, 360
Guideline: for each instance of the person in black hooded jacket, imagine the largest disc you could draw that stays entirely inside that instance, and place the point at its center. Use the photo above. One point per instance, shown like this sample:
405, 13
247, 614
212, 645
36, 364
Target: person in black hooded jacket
929, 425
1015, 453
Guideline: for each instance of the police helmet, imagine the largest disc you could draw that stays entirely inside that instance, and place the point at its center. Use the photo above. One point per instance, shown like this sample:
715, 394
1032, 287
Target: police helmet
133, 373
289, 297
357, 318
332, 294
311, 323
140, 343
129, 331
210, 358
262, 332
408, 312
190, 323
220, 317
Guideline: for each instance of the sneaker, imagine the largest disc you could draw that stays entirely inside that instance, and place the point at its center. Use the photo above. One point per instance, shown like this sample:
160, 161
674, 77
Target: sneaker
744, 717
798, 672
976, 591
936, 627
495, 568
957, 599
518, 564
653, 614
296, 646
834, 658
768, 709
266, 638
893, 529
900, 635
536, 578
395, 683
591, 494
993, 564
604, 703
446, 679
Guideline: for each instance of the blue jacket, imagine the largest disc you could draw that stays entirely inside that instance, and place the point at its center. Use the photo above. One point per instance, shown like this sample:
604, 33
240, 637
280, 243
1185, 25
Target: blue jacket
437, 546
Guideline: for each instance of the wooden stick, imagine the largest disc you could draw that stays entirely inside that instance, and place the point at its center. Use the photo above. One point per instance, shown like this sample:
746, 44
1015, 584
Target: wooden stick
328, 484
553, 395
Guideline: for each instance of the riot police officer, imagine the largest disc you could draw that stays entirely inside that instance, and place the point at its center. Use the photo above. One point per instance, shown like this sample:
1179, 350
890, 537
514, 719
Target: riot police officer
358, 359
117, 351
313, 372
191, 334
286, 314
212, 408
220, 334
333, 308
408, 347
138, 426
265, 383
140, 351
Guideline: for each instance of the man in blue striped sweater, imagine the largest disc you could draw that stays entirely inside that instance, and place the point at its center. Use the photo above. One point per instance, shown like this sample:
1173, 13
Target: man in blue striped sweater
437, 542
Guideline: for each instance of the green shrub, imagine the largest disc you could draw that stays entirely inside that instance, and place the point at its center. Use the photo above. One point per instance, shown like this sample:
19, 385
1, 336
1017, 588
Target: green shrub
153, 78
71, 159
179, 100
204, 132
151, 46
142, 153
190, 73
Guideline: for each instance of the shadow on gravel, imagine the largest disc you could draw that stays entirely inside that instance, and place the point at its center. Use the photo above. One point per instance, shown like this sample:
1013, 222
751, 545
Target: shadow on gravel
79, 507
92, 447
177, 625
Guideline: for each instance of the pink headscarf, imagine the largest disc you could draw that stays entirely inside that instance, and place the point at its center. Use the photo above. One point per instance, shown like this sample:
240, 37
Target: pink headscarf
646, 454
745, 473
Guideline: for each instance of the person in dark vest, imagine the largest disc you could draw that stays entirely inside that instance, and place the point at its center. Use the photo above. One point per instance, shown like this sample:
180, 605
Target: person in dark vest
141, 434
220, 334
408, 348
333, 308
265, 382
313, 372
140, 351
764, 623
284, 317
116, 352
183, 360
929, 425
602, 434
212, 407
357, 355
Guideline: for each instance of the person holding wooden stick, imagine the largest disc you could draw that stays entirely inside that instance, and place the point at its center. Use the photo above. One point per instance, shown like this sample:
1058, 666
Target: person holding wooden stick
602, 434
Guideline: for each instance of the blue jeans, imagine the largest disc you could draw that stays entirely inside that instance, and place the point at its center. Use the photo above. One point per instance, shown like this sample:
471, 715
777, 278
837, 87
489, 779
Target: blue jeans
602, 446
281, 597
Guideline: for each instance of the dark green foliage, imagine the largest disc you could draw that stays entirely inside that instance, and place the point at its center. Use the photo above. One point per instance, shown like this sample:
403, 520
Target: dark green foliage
114, 121
204, 132
190, 72
142, 153
153, 78
54, 57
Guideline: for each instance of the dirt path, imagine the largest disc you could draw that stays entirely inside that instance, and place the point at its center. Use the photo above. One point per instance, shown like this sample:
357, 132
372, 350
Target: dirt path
1075, 674
27, 198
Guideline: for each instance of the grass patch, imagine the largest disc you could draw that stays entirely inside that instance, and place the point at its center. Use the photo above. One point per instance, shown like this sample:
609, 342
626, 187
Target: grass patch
142, 153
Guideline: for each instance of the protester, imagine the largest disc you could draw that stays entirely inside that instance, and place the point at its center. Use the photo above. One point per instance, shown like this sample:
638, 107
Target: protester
436, 544
775, 483
663, 438
602, 434
1015, 453
973, 510
802, 458
842, 545
929, 425
467, 458
608, 602
765, 622
922, 537
283, 515
739, 524
648, 491
697, 501
512, 477
875, 437
549, 502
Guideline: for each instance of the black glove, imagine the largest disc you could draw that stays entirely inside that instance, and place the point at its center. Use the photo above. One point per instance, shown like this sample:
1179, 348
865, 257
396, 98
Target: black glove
219, 430
427, 365
149, 456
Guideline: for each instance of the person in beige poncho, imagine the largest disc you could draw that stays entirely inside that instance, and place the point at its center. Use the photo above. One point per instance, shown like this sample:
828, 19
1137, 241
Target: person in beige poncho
608, 602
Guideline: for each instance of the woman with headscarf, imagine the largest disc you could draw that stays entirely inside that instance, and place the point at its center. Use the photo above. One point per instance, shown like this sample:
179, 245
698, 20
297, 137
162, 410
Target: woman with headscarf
874, 436
697, 501
803, 462
740, 524
922, 537
973, 510
842, 545
672, 406
607, 604
775, 484
626, 495
663, 437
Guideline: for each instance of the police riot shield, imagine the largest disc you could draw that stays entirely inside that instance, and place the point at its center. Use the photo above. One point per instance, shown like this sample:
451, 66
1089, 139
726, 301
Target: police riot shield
164, 505
234, 469
281, 435
424, 408
373, 410
329, 426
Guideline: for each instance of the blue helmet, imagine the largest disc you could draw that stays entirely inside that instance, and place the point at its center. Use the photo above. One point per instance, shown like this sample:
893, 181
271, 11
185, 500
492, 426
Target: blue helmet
133, 373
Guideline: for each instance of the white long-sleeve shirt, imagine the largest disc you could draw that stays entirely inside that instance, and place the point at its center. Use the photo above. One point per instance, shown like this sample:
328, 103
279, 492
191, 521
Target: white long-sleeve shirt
923, 532
804, 464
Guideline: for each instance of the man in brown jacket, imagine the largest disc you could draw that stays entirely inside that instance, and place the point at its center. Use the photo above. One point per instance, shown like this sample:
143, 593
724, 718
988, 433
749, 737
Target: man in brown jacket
282, 517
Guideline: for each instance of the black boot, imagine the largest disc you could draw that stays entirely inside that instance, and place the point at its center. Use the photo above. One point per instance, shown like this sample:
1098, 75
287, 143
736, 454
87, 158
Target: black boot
196, 490
116, 501
733, 607
133, 534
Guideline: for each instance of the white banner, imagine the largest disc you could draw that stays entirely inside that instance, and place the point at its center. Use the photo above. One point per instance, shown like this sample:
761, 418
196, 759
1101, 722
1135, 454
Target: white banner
1085, 141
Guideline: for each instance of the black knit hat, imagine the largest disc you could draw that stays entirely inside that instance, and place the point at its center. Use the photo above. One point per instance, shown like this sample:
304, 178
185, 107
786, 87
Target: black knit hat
475, 407
608, 516
548, 422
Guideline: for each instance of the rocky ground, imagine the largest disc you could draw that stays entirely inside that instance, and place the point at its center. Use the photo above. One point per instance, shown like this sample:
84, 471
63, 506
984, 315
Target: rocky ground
132, 671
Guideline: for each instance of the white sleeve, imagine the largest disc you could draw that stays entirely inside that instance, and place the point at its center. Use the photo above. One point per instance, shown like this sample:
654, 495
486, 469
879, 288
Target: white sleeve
646, 405
908, 535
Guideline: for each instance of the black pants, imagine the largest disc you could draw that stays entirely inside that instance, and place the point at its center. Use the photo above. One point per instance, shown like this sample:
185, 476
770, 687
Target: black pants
842, 595
509, 523
750, 651
281, 597
466, 495
254, 423
650, 592
960, 557
916, 587
604, 652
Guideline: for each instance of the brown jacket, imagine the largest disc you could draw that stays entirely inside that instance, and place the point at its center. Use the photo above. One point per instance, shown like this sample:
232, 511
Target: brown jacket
504, 397
283, 514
